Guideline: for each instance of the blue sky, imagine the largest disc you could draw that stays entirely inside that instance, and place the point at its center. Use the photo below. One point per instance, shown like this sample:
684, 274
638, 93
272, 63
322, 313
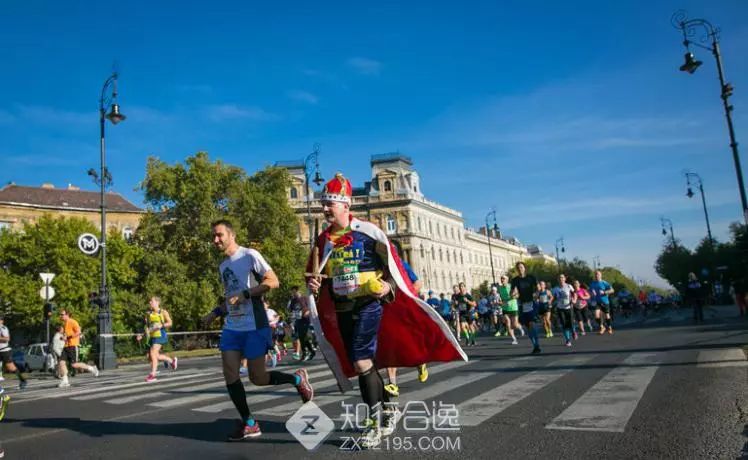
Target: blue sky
571, 118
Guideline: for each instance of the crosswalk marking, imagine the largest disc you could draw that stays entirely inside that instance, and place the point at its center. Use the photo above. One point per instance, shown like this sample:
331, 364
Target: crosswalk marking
70, 392
478, 409
324, 400
724, 357
157, 387
611, 402
266, 395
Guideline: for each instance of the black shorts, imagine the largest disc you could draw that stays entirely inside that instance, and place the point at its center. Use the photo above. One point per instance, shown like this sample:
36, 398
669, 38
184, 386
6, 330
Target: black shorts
464, 317
543, 308
604, 308
6, 356
69, 354
280, 337
580, 314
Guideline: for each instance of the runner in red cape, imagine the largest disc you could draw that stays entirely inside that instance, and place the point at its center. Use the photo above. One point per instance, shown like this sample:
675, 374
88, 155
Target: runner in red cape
369, 317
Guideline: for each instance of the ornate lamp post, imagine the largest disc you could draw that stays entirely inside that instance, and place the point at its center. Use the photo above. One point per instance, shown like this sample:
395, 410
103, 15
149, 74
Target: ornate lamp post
664, 221
107, 358
560, 244
488, 238
318, 180
689, 27
689, 194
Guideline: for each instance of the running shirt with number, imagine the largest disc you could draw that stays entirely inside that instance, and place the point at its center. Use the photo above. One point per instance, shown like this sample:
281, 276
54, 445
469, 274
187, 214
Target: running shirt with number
355, 264
543, 297
563, 296
510, 304
155, 324
598, 287
241, 271
4, 332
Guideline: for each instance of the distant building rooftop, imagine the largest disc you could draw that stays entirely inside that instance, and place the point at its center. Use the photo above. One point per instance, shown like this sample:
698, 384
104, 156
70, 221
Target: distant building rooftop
389, 157
47, 196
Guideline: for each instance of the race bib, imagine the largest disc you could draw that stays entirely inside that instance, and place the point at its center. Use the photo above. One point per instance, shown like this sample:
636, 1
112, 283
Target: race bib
347, 281
527, 307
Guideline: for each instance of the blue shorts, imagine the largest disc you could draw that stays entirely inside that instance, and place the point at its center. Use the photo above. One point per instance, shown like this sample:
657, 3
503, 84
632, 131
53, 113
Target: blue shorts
252, 344
163, 340
359, 331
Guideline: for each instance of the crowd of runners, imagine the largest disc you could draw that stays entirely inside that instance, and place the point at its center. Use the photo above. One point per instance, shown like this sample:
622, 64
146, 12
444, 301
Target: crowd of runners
356, 276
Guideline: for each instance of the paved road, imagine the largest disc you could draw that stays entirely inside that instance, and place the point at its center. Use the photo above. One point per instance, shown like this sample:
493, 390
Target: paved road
656, 389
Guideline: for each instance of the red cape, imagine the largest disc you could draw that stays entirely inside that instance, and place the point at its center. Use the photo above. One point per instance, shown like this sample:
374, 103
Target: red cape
411, 331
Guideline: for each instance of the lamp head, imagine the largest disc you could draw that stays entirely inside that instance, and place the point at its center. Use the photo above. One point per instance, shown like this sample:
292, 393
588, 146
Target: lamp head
689, 193
318, 179
114, 114
664, 232
691, 63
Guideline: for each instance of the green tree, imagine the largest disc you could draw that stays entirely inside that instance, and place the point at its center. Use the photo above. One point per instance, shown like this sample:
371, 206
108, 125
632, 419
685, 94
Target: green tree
674, 263
180, 263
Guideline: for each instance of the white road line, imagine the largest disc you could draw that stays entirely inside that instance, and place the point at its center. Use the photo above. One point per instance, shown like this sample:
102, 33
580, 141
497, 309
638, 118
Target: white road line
482, 407
323, 400
724, 357
259, 398
155, 392
611, 402
68, 392
157, 386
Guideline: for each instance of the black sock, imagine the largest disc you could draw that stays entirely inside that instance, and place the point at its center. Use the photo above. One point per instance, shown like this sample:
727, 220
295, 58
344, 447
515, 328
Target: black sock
372, 389
239, 398
280, 378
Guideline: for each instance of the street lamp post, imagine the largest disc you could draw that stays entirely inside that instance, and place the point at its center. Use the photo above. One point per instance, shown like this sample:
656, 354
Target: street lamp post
107, 358
688, 27
560, 243
488, 238
689, 194
665, 221
318, 180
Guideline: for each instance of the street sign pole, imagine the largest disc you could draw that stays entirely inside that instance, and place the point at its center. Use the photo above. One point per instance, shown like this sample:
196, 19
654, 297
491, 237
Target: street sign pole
48, 293
46, 317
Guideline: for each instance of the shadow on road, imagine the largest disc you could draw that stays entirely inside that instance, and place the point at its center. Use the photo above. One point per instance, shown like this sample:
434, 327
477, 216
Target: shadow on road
212, 431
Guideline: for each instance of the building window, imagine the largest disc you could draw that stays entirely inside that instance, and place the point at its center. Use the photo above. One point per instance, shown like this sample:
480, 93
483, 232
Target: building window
415, 188
294, 193
127, 233
433, 253
448, 256
431, 229
419, 224
462, 261
387, 186
391, 224
423, 253
441, 256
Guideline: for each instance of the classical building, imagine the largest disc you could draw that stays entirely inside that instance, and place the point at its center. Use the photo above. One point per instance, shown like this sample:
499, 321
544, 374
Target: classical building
21, 204
433, 237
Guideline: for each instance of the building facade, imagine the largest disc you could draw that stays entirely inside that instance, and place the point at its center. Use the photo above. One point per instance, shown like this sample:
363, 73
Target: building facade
433, 237
22, 204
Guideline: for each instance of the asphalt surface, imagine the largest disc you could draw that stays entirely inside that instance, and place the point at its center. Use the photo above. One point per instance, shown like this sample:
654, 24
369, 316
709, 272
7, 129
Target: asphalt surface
659, 387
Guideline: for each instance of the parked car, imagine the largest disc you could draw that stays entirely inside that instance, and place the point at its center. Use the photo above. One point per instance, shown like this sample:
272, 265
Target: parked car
35, 357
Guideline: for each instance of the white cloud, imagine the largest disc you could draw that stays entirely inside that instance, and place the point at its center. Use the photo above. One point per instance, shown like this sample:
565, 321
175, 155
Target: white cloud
302, 96
365, 66
225, 112
51, 115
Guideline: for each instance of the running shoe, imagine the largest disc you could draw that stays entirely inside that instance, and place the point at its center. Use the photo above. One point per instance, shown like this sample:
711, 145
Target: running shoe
2, 379
583, 333
514, 342
392, 389
2, 453
568, 344
296, 356
244, 431
610, 330
243, 371
551, 334
95, 371
423, 373
535, 351
389, 421
22, 384
498, 334
166, 364
4, 402
372, 436
522, 331
305, 389
576, 336
174, 363
273, 360
602, 331
64, 383
151, 378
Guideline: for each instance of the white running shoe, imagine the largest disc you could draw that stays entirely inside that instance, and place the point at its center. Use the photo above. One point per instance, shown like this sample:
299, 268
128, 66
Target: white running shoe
63, 384
372, 437
95, 371
514, 342
174, 363
243, 371
522, 331
389, 421
2, 379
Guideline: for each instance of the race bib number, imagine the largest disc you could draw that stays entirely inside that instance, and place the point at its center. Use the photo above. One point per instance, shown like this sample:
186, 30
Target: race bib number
527, 307
347, 282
